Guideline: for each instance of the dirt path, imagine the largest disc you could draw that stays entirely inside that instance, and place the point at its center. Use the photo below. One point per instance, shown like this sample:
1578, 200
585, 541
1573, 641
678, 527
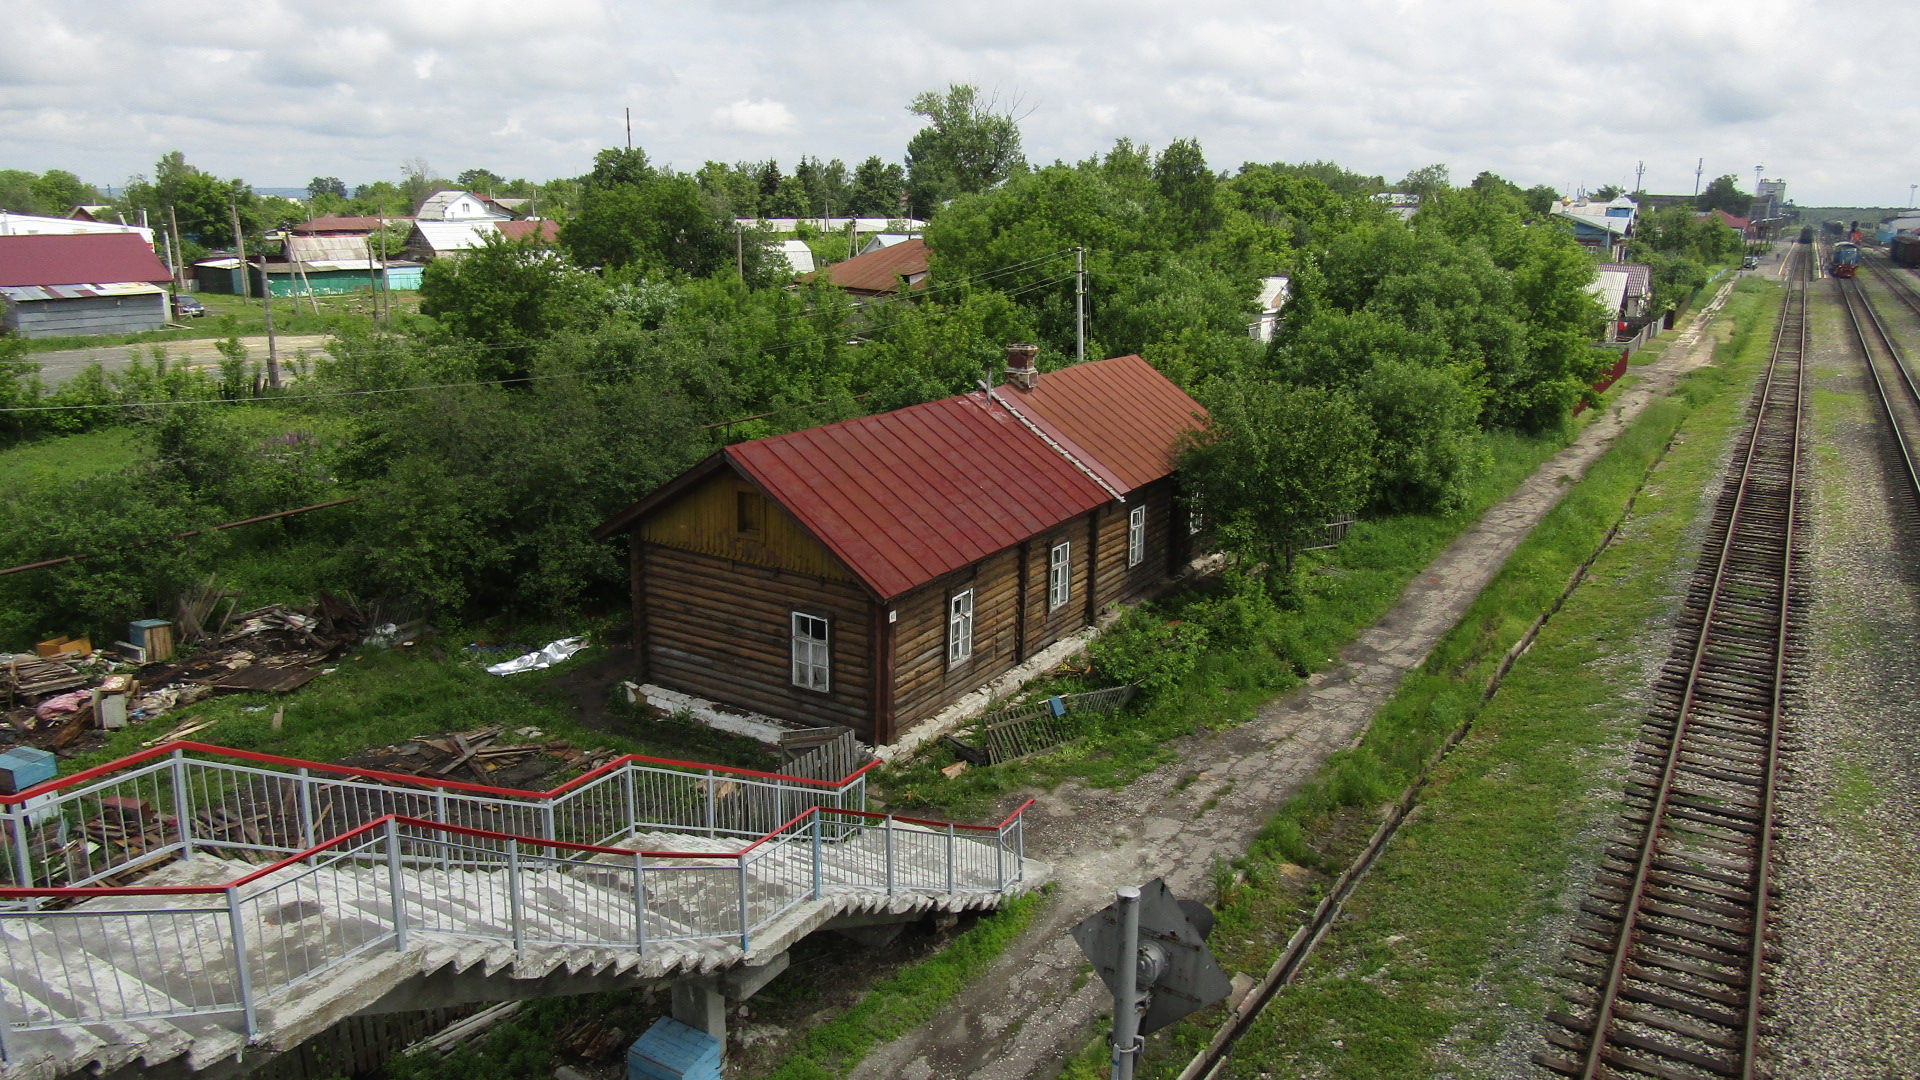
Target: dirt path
58, 367
1023, 1018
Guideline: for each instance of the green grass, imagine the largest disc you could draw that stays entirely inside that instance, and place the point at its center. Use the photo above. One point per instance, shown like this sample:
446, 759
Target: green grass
1431, 951
907, 999
69, 457
383, 697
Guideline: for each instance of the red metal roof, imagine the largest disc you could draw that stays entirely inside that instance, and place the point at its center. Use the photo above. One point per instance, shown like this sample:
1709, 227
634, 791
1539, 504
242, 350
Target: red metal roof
79, 259
906, 496
546, 231
880, 271
1120, 417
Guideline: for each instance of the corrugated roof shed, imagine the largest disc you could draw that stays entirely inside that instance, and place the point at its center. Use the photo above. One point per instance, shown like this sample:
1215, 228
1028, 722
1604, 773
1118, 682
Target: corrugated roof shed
322, 225
879, 272
80, 259
1120, 416
1639, 276
544, 231
906, 496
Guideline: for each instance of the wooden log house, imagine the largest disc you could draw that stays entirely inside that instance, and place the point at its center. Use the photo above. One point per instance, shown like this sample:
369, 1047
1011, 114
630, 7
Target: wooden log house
870, 573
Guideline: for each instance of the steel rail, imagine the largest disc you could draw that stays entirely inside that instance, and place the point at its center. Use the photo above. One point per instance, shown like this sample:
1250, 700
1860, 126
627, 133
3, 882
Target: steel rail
1601, 1034
1857, 304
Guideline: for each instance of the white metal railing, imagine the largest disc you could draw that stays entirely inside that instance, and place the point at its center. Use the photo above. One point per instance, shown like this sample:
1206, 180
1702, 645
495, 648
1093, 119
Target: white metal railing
106, 822
133, 952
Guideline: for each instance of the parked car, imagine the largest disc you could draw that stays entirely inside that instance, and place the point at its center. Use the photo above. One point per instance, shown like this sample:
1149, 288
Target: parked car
186, 307
1752, 263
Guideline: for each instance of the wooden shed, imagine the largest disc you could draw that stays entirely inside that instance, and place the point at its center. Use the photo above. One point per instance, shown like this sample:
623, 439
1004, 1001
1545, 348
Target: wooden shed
90, 283
870, 573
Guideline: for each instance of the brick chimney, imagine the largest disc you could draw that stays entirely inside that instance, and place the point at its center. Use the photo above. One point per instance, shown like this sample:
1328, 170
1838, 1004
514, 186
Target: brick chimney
1021, 374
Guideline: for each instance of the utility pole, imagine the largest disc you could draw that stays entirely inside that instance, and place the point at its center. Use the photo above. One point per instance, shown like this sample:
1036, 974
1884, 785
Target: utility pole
173, 223
739, 252
240, 250
1079, 304
1910, 190
273, 351
1698, 168
629, 127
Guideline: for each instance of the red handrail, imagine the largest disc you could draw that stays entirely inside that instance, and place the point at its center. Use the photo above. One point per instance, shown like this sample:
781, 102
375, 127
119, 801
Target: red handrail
166, 749
15, 892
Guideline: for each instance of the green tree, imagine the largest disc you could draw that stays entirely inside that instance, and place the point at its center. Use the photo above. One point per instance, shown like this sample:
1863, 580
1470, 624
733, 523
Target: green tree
1189, 192
1426, 181
877, 189
969, 145
662, 222
1540, 198
58, 191
321, 186
1273, 464
484, 181
16, 191
509, 297
420, 182
204, 203
1724, 194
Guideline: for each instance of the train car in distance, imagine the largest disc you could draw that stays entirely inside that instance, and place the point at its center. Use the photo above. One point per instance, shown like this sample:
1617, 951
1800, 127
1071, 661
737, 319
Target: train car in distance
1846, 259
1905, 249
1806, 234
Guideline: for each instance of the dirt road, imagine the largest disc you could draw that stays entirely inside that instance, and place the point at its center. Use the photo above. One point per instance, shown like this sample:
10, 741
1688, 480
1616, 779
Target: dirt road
58, 367
1024, 1016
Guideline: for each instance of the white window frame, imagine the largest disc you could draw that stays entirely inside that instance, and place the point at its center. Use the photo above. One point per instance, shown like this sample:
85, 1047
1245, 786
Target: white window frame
960, 627
812, 652
1136, 535
1059, 575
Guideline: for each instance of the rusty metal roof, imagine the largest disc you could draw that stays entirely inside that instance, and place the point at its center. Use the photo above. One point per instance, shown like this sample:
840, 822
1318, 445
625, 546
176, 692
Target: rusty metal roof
906, 496
880, 271
80, 259
1120, 417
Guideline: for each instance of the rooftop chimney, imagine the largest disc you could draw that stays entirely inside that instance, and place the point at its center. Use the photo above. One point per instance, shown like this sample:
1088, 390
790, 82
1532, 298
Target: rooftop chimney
1021, 374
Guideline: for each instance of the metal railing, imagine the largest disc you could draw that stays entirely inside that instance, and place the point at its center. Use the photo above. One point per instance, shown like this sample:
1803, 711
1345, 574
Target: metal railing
110, 822
369, 859
124, 954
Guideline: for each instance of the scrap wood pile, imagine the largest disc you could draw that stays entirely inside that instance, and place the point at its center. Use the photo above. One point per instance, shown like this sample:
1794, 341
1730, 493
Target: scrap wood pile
121, 829
49, 702
483, 756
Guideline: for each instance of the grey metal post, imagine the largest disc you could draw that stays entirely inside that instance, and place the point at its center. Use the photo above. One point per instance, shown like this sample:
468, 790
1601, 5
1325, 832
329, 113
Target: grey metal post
1126, 998
949, 856
889, 854
396, 884
182, 803
640, 902
633, 800
242, 977
742, 864
513, 896
546, 822
6, 1027
710, 794
1000, 859
1020, 847
22, 857
305, 787
440, 815
816, 854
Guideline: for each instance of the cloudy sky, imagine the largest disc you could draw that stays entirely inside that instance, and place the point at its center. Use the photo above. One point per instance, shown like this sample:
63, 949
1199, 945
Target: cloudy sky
1540, 92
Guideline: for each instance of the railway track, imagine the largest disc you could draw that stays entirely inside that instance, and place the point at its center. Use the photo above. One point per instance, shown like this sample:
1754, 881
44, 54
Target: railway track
1892, 376
1668, 954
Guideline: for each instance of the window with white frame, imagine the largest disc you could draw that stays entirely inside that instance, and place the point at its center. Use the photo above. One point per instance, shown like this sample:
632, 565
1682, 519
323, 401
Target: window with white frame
1136, 535
810, 653
1059, 575
960, 627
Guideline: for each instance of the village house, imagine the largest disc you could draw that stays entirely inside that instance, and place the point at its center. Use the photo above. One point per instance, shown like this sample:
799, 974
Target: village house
1601, 227
431, 240
881, 271
872, 572
81, 283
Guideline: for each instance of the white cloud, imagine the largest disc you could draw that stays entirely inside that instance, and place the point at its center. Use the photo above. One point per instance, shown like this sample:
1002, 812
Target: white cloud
756, 117
1542, 91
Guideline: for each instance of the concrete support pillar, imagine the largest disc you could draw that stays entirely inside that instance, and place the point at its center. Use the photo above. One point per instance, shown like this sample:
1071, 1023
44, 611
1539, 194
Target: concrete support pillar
699, 1004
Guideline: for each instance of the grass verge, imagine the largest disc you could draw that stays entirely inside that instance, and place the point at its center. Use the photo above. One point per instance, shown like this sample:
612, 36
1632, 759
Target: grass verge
1440, 959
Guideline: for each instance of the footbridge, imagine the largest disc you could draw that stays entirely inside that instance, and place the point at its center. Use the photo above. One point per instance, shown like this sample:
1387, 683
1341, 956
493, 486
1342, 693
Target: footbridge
192, 909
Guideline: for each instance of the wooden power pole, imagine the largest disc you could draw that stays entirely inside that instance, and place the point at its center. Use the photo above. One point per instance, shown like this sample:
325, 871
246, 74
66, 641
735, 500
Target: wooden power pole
240, 249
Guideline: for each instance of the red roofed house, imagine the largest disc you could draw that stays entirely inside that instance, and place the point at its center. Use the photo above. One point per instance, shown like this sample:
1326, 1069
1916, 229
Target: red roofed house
83, 283
870, 573
880, 272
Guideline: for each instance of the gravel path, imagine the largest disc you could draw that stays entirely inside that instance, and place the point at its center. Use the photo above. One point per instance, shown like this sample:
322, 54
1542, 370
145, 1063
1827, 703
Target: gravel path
1844, 989
58, 367
1025, 1015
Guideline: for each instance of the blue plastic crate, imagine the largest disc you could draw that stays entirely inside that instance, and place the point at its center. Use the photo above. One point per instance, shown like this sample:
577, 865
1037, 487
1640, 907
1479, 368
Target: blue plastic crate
23, 766
670, 1050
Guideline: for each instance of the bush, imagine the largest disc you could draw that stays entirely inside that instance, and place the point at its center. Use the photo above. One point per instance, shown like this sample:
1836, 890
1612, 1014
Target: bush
1144, 647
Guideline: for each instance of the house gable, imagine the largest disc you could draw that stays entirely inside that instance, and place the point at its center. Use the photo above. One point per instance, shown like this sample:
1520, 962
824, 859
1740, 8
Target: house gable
727, 515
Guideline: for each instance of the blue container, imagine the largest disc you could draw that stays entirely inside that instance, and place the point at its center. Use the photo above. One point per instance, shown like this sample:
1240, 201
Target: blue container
23, 766
670, 1050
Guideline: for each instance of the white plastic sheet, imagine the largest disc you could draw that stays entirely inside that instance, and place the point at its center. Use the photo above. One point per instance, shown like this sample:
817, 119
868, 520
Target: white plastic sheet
555, 652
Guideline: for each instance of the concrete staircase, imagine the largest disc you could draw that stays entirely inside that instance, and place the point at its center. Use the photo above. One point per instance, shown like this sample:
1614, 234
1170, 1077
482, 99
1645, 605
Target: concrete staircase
211, 963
